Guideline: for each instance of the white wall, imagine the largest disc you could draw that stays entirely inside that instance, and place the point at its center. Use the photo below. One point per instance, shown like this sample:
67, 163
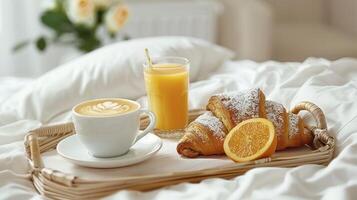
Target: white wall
245, 27
18, 21
344, 15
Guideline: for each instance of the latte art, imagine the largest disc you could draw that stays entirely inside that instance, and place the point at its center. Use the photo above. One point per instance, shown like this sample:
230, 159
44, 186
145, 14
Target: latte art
105, 108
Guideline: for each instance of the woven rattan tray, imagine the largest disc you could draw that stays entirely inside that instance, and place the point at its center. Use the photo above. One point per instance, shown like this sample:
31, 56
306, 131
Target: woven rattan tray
55, 184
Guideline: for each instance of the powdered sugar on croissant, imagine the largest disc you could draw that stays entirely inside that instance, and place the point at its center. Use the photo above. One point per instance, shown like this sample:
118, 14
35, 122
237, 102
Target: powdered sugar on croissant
276, 113
204, 136
244, 104
213, 123
233, 108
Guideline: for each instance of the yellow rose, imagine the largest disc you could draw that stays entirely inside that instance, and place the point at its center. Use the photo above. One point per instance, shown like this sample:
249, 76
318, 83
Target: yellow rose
82, 12
116, 17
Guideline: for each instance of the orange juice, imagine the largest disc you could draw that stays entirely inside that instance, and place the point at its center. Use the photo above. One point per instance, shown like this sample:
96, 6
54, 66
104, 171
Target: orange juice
167, 87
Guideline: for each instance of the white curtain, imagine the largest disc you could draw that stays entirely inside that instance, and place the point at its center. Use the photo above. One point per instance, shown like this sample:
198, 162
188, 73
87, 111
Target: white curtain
19, 21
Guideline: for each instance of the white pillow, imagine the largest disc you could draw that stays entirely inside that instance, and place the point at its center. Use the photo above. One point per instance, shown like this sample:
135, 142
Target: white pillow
111, 71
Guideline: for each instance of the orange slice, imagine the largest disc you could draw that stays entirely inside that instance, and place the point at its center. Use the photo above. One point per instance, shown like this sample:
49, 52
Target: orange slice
250, 140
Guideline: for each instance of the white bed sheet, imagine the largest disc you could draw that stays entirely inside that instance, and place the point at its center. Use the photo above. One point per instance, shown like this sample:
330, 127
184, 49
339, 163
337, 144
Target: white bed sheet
11, 85
331, 85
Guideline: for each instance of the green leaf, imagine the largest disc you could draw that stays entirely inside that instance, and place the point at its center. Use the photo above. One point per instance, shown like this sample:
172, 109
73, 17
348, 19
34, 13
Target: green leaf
20, 45
89, 44
56, 20
41, 43
84, 31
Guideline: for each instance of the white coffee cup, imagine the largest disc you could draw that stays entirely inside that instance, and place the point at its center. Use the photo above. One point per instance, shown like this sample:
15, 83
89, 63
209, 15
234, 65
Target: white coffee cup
110, 135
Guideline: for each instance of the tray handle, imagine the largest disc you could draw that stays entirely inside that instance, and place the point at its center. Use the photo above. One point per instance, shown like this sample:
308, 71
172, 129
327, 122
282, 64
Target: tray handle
34, 144
34, 140
35, 155
320, 133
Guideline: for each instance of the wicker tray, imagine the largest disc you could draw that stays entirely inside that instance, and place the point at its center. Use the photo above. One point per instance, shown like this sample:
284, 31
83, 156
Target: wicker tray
55, 184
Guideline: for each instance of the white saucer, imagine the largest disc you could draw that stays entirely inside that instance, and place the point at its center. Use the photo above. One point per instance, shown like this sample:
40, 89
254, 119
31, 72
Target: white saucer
73, 150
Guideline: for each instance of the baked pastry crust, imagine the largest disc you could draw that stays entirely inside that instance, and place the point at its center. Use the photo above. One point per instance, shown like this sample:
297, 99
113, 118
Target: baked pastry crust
233, 108
295, 130
276, 113
204, 136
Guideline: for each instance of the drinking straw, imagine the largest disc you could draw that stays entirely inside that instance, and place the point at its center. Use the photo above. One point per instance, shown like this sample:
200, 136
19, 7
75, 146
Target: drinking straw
148, 57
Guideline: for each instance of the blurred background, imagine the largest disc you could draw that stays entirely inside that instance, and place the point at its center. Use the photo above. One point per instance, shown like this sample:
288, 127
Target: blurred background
260, 30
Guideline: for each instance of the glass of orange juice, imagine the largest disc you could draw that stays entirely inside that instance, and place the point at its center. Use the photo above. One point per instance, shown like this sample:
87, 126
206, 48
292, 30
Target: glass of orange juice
167, 81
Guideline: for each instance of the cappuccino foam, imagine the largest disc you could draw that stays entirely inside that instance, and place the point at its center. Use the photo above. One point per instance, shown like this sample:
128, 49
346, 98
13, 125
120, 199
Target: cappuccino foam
105, 107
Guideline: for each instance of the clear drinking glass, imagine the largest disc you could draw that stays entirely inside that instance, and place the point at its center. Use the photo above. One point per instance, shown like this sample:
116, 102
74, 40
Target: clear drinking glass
167, 82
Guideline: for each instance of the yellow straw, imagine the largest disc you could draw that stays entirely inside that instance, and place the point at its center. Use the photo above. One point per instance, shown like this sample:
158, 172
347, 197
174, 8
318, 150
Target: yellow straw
148, 57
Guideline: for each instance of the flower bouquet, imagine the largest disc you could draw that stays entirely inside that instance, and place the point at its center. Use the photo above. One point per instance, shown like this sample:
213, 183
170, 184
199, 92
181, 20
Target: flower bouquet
78, 23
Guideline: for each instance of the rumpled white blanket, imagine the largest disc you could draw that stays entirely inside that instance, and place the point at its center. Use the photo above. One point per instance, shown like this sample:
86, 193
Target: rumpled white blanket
331, 85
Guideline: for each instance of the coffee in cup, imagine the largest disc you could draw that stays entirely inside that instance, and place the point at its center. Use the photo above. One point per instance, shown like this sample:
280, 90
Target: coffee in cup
109, 127
103, 107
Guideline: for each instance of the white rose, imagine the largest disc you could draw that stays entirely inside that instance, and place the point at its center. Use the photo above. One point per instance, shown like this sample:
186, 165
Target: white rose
116, 17
82, 12
103, 3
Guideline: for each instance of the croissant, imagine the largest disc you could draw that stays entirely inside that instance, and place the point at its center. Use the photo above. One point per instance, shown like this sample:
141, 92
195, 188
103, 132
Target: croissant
233, 108
296, 133
205, 135
276, 113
